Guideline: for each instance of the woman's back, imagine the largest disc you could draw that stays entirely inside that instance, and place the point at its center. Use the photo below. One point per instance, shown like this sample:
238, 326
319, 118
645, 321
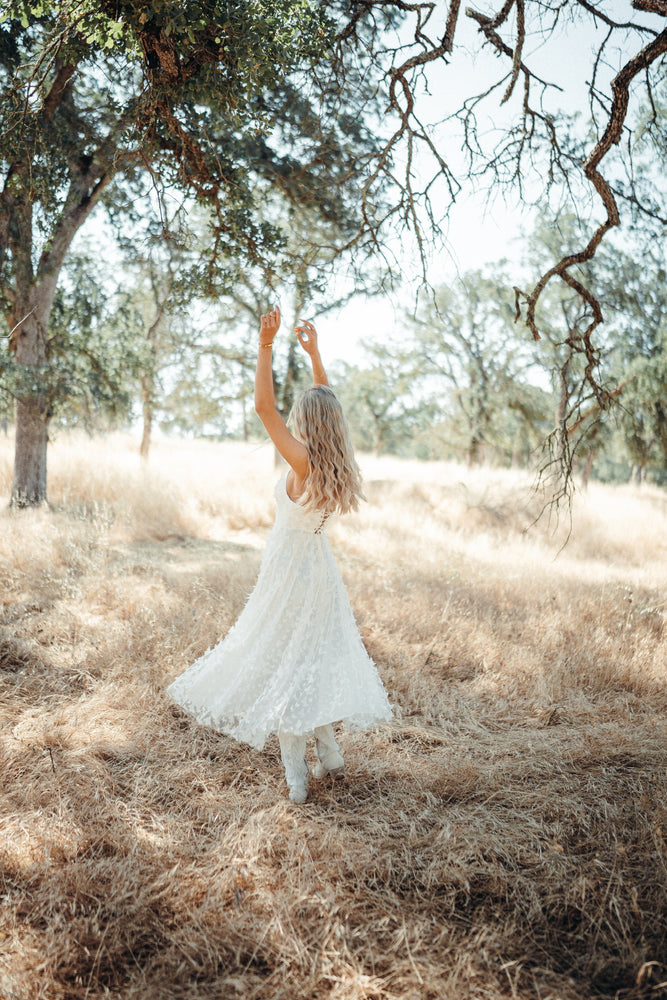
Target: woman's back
293, 516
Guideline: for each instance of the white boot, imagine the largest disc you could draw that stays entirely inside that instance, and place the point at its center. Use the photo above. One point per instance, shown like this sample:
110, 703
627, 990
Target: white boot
329, 757
293, 755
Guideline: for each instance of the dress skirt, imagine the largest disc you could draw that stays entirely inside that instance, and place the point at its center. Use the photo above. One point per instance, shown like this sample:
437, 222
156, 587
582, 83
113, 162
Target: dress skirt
294, 659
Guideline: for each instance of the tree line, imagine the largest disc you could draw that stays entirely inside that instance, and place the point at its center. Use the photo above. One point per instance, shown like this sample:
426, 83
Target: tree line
463, 381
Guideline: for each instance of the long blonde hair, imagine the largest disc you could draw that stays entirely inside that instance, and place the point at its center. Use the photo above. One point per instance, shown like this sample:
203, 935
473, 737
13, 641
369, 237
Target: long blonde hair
333, 483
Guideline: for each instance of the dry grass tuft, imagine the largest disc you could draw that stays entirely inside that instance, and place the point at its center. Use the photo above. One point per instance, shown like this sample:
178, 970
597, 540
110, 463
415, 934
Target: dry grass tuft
504, 837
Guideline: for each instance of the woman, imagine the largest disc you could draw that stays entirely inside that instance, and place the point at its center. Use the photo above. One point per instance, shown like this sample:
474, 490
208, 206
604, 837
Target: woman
294, 662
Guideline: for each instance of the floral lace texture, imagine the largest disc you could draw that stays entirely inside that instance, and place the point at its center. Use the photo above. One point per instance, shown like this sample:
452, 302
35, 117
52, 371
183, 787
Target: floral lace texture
294, 659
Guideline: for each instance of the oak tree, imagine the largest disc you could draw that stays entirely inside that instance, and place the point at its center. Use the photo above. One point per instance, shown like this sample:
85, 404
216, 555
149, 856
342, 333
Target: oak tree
130, 105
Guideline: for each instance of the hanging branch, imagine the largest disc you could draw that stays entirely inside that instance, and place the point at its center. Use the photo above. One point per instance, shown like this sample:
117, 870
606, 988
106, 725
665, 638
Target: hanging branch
612, 135
562, 443
402, 76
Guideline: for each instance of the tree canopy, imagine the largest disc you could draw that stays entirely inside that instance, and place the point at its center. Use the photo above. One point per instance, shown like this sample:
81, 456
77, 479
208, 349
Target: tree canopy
134, 106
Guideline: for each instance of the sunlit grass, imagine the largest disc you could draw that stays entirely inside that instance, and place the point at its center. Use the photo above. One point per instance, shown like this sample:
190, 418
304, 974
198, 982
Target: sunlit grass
503, 837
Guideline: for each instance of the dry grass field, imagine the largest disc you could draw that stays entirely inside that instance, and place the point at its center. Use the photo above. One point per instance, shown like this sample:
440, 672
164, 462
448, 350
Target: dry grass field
504, 837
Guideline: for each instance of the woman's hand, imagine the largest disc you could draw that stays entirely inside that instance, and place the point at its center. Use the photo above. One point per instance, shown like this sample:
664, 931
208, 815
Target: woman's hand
307, 336
269, 326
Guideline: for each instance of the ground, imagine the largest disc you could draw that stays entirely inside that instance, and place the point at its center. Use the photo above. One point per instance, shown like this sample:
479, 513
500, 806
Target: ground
503, 837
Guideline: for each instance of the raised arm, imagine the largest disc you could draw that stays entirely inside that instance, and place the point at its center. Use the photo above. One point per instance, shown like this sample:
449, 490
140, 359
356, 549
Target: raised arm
307, 336
293, 451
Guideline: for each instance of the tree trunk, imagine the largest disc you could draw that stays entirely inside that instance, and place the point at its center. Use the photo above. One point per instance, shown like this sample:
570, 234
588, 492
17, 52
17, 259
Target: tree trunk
474, 450
287, 395
147, 393
32, 409
379, 437
32, 435
161, 295
517, 450
32, 300
244, 410
588, 467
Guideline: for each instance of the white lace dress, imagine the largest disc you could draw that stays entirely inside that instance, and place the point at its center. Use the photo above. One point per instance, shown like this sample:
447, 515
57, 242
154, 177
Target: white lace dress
294, 659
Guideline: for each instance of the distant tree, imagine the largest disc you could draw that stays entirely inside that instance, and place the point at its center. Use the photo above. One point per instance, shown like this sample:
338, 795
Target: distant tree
635, 289
476, 362
631, 363
384, 400
97, 350
202, 352
159, 318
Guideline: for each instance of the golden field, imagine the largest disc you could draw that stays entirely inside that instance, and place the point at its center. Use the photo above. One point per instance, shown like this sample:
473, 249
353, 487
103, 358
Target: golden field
504, 837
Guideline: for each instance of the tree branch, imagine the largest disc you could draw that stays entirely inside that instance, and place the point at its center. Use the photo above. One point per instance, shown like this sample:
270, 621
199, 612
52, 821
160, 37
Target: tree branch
620, 90
450, 27
650, 6
56, 92
638, 5
518, 49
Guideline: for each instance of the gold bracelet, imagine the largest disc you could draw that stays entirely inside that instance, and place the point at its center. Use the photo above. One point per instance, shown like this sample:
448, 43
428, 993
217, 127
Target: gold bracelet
267, 345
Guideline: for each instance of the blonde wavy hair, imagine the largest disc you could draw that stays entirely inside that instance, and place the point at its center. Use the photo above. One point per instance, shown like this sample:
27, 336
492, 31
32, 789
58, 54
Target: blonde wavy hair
333, 483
